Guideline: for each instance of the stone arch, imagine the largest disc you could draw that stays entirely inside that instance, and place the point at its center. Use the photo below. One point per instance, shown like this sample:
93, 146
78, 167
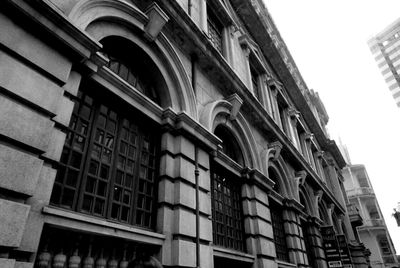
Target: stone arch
103, 18
305, 200
223, 112
281, 177
323, 213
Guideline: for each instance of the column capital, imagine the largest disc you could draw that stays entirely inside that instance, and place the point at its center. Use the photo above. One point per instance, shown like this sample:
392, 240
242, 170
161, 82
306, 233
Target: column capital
293, 113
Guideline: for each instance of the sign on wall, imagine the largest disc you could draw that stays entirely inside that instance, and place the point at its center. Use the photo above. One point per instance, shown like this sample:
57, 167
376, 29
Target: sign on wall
344, 251
331, 247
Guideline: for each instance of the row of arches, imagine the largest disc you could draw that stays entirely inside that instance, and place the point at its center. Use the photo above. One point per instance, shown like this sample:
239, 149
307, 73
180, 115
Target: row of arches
155, 70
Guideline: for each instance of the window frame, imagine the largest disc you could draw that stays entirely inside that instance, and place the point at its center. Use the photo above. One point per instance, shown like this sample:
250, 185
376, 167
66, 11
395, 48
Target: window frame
229, 180
122, 114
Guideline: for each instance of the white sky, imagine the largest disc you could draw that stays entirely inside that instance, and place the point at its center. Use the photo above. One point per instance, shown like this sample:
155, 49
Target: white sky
328, 41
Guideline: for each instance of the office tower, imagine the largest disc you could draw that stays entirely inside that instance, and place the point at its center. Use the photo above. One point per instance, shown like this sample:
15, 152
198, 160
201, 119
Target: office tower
385, 47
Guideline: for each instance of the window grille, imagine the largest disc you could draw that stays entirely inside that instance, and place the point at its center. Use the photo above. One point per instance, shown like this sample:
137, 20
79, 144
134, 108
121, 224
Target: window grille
214, 30
108, 165
227, 213
279, 233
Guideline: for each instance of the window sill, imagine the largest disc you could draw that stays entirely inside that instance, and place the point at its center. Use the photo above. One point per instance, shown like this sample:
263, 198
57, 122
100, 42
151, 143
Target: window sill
282, 264
233, 254
81, 222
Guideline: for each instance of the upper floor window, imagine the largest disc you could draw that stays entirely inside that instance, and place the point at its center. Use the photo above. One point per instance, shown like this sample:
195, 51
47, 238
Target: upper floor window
255, 83
362, 181
215, 29
108, 166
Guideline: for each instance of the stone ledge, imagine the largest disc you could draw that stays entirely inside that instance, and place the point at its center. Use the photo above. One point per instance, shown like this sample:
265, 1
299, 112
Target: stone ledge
81, 222
233, 254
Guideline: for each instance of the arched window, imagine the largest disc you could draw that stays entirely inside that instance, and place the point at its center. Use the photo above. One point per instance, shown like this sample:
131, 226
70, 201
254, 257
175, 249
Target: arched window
230, 146
108, 166
307, 237
277, 220
227, 216
133, 65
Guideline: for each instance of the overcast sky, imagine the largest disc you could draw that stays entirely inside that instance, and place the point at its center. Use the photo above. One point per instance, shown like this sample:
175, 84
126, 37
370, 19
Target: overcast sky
328, 41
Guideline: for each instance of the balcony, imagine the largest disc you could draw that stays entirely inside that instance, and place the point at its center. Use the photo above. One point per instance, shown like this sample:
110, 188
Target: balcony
364, 191
388, 259
354, 215
373, 223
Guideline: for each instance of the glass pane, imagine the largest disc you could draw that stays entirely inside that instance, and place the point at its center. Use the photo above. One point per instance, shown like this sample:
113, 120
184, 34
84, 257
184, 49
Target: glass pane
93, 167
101, 188
104, 172
72, 178
87, 203
99, 206
90, 185
76, 159
117, 193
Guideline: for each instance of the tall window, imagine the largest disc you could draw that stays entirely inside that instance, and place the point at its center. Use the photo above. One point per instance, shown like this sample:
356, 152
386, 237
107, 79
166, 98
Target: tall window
226, 211
279, 232
108, 163
281, 248
215, 29
228, 230
254, 82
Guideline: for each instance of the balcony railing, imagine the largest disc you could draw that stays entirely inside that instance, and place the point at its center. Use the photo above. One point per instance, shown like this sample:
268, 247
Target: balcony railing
360, 191
388, 259
374, 223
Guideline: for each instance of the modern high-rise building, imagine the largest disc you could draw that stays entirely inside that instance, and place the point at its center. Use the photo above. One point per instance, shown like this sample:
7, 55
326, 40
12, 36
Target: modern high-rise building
373, 231
385, 47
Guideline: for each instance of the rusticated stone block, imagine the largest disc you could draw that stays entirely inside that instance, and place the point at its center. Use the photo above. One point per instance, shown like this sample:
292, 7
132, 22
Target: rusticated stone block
184, 253
31, 86
23, 124
184, 222
23, 264
7, 263
13, 217
34, 50
19, 171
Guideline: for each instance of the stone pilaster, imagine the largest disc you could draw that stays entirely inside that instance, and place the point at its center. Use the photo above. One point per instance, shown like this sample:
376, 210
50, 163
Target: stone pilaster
177, 207
258, 226
315, 242
294, 235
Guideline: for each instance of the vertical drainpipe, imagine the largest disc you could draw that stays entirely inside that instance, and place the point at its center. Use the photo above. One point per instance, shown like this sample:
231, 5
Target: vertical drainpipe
196, 169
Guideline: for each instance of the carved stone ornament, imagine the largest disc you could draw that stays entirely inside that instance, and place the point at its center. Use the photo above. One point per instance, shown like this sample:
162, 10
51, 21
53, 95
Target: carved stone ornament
274, 150
157, 20
236, 103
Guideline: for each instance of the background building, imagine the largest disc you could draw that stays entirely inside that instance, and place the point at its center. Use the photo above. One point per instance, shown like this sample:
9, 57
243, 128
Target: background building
373, 232
385, 47
178, 132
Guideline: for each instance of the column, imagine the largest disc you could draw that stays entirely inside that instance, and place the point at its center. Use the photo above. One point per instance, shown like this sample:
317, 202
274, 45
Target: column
294, 117
335, 181
203, 15
177, 207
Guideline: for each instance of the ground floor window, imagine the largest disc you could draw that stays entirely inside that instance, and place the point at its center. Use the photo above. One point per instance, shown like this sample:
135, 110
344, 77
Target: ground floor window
226, 211
109, 162
279, 232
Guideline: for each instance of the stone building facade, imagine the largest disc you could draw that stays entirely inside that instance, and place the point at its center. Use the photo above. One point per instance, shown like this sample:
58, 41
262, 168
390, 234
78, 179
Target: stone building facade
172, 132
373, 231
